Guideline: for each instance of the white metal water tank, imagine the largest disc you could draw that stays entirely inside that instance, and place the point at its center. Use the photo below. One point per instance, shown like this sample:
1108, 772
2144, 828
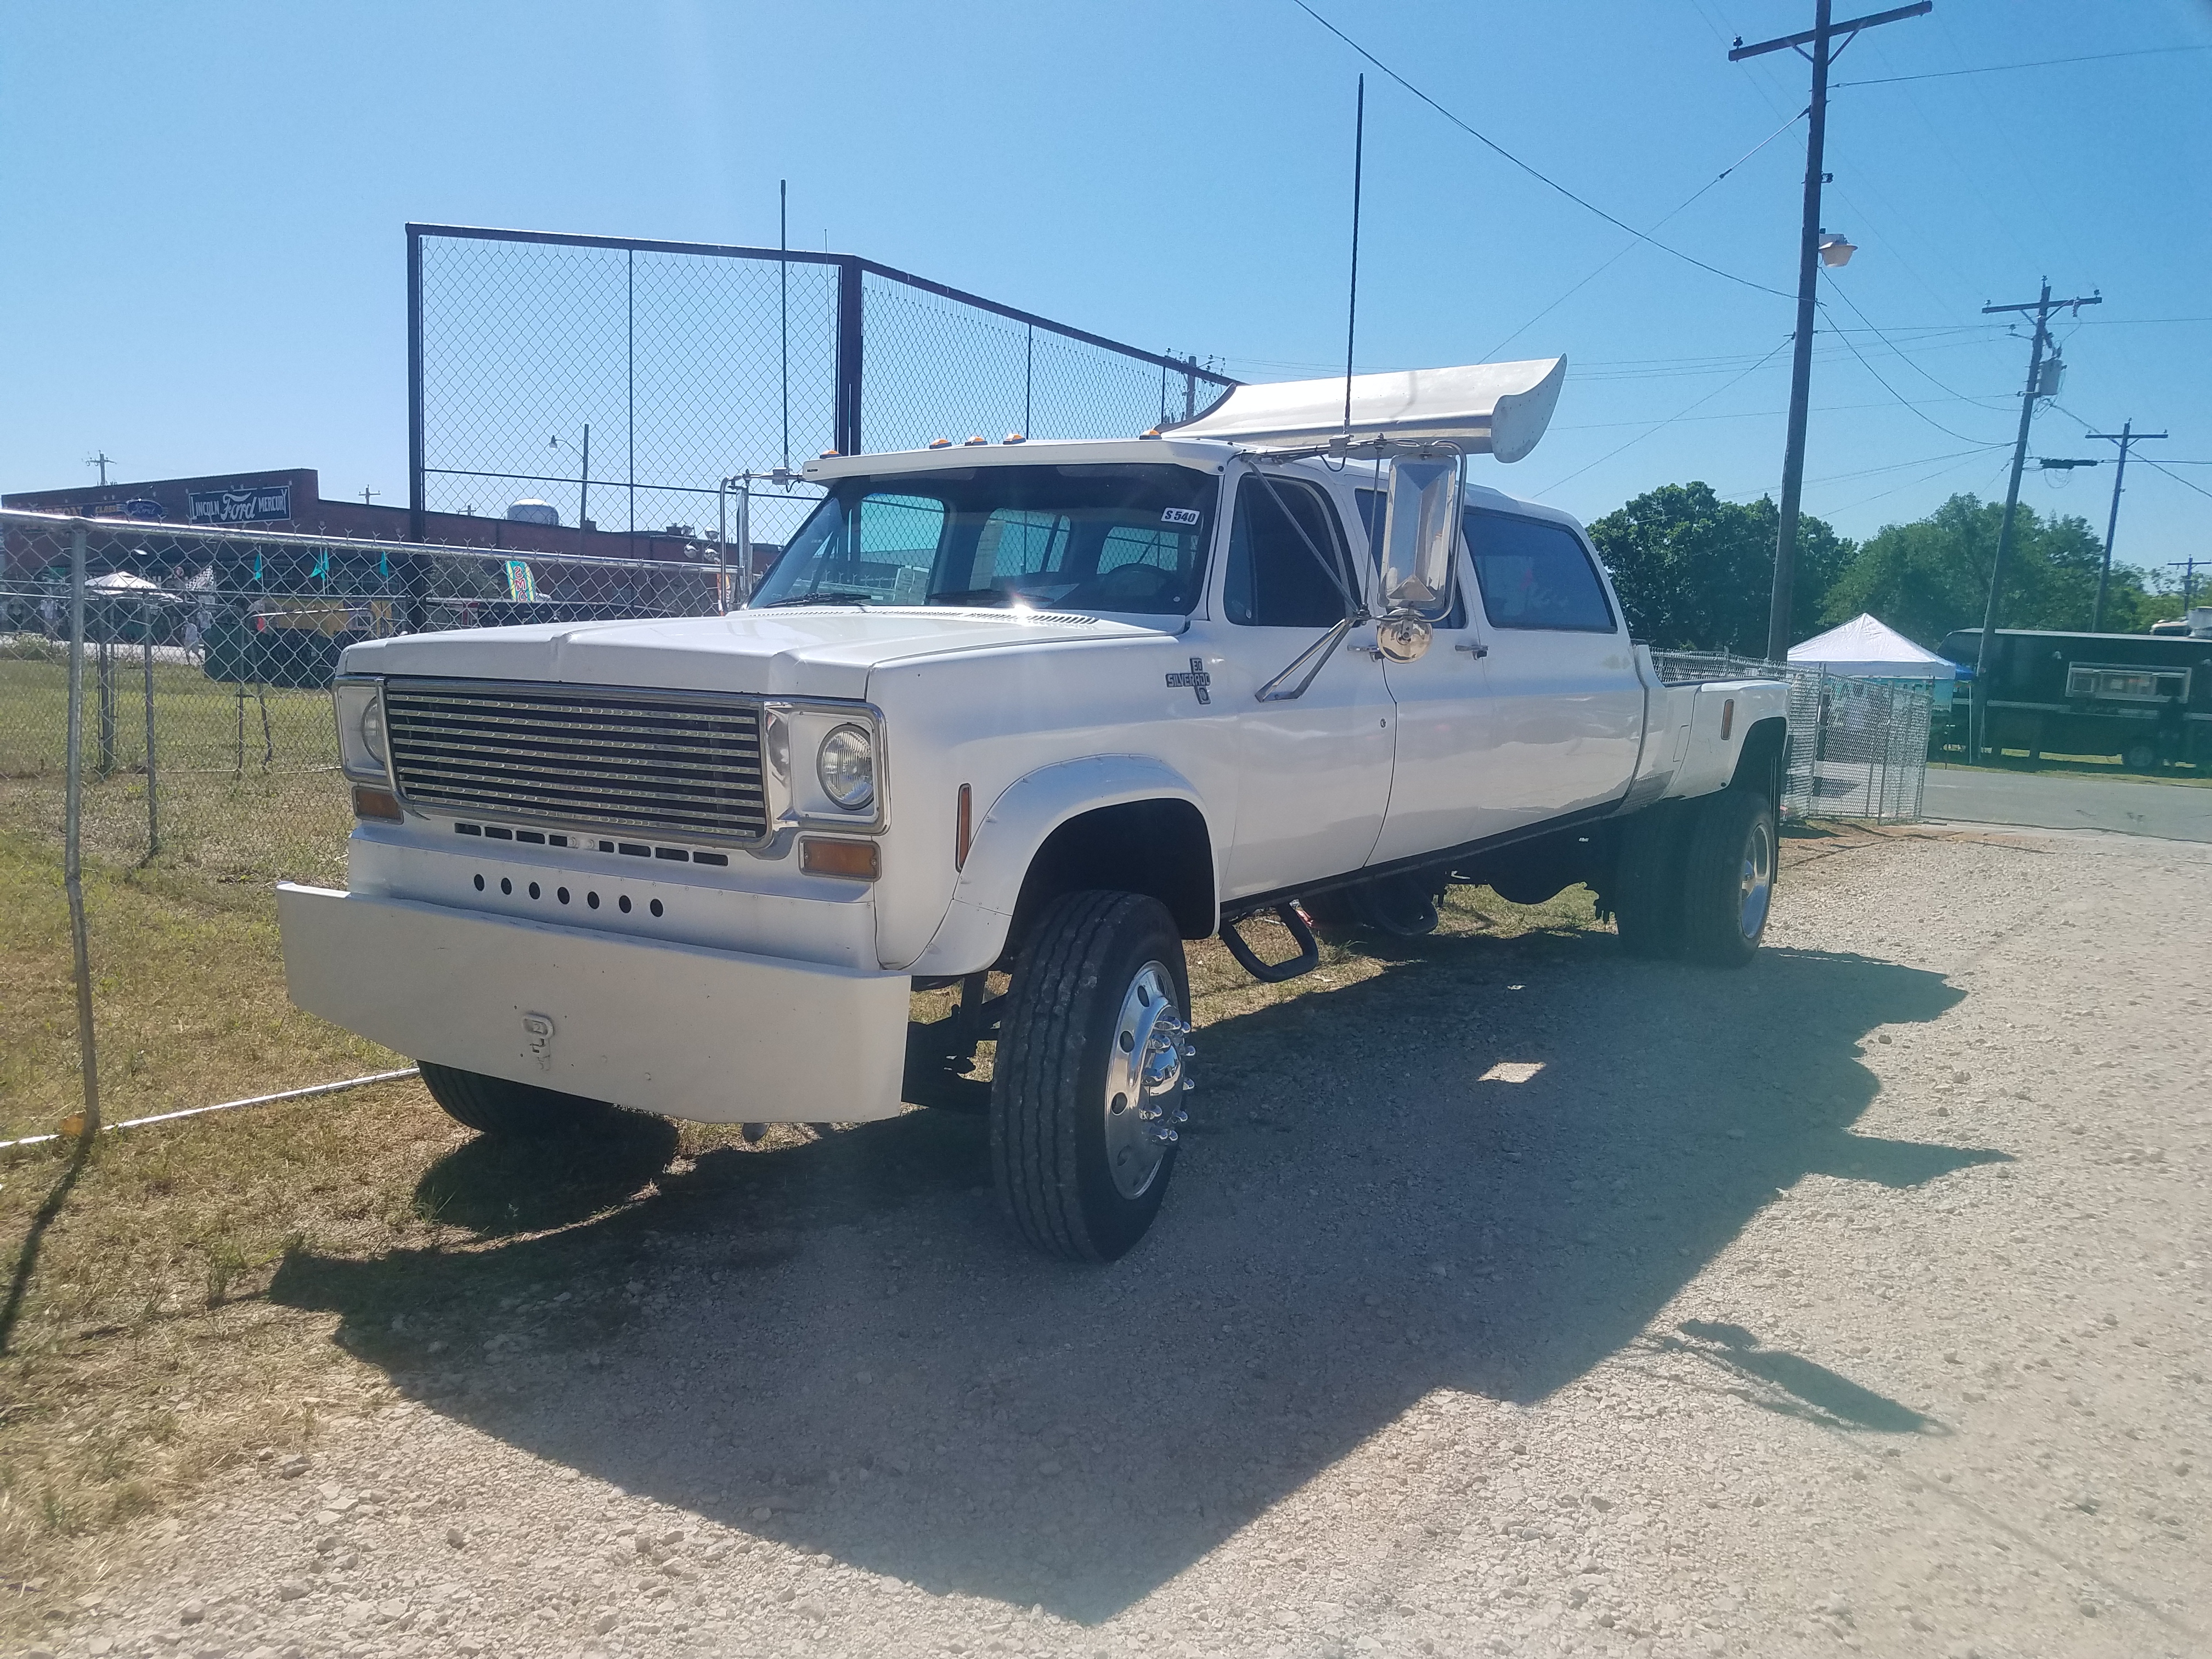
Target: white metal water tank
530, 510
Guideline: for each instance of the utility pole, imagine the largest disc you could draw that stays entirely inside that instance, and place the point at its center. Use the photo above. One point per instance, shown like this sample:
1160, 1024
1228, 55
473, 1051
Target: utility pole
367, 494
2126, 438
2042, 382
103, 461
1822, 37
2188, 570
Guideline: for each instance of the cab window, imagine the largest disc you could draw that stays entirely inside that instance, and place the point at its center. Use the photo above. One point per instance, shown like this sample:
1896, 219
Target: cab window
1534, 574
1288, 566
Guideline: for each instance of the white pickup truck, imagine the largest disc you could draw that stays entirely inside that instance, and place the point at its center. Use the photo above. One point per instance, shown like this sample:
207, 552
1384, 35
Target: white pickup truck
1046, 709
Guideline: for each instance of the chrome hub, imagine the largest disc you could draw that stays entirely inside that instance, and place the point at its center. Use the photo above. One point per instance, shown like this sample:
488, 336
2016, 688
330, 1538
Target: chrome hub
1756, 885
1145, 1080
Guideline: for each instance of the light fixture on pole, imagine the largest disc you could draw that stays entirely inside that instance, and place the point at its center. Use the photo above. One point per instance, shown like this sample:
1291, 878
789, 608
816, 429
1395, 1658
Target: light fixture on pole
1836, 250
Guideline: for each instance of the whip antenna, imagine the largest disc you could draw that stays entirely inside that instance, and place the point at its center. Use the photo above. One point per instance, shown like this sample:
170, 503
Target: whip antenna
1351, 318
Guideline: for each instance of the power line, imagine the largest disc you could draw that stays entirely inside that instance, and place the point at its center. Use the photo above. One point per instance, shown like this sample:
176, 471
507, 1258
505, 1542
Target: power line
2160, 466
2186, 484
1961, 436
1508, 339
1659, 425
1540, 177
1841, 295
1999, 68
1914, 483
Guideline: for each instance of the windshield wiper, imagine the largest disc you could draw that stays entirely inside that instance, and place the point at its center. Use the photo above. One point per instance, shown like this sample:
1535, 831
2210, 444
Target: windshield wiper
821, 596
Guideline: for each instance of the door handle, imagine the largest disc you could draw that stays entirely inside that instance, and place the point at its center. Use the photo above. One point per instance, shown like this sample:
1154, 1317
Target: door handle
1474, 649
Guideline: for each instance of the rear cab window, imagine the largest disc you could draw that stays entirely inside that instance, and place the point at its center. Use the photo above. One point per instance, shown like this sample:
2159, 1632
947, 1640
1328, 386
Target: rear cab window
1535, 574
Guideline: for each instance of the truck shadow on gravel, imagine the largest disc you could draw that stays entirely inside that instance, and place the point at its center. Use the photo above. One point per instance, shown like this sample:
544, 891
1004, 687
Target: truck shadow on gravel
837, 1345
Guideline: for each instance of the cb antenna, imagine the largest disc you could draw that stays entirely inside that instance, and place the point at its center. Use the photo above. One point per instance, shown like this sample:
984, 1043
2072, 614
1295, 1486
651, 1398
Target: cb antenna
1351, 317
783, 294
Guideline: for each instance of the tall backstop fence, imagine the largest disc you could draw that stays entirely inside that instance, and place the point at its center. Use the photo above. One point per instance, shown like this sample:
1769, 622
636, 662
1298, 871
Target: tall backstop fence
1858, 747
623, 381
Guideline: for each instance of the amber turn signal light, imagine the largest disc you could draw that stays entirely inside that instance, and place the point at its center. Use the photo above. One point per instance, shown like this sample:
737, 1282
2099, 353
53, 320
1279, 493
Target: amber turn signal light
381, 804
856, 860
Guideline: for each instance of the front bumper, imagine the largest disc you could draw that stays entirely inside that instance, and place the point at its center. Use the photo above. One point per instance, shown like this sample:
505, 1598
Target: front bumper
716, 1037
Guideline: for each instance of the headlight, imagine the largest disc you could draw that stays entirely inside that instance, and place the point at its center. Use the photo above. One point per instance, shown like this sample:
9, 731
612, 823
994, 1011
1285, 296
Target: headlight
361, 747
846, 764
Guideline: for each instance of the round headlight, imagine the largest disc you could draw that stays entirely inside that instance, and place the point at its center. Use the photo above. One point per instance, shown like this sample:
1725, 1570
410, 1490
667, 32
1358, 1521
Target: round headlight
371, 726
847, 766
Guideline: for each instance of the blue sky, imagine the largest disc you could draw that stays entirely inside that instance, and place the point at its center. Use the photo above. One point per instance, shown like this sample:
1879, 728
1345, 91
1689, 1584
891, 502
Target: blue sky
203, 271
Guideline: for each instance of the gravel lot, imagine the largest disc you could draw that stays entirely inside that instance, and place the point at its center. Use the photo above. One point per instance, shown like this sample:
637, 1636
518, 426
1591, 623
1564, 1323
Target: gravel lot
1854, 1300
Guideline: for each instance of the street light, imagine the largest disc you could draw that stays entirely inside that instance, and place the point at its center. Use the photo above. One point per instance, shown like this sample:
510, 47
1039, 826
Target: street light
583, 484
1835, 250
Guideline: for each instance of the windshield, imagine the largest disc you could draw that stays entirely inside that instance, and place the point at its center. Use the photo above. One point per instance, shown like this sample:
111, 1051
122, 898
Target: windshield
1103, 538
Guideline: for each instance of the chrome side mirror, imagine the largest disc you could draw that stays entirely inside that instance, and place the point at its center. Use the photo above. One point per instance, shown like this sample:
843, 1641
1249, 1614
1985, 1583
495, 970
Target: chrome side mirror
1420, 533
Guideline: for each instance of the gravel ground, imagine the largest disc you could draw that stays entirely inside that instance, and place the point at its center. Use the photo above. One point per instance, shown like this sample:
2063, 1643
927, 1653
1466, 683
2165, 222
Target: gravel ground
1854, 1300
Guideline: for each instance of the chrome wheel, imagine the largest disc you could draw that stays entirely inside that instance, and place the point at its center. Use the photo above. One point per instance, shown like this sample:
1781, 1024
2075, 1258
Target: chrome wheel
1145, 1080
1756, 889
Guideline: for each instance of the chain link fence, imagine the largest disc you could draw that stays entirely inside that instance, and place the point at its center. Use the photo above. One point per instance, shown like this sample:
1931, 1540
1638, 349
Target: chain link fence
1858, 747
622, 382
207, 738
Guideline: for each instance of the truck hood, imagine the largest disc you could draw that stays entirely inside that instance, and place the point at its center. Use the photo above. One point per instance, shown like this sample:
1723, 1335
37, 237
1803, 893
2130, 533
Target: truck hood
803, 652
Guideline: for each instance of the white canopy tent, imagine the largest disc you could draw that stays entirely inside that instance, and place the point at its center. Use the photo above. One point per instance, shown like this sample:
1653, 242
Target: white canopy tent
1867, 649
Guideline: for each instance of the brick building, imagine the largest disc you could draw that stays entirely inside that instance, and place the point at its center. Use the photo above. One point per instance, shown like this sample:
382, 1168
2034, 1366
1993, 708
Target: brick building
290, 499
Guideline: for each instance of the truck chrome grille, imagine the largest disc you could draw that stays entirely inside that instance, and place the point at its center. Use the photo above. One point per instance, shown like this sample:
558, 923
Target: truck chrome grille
684, 765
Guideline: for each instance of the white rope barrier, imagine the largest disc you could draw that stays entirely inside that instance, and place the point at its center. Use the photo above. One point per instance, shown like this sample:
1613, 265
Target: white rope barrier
68, 1133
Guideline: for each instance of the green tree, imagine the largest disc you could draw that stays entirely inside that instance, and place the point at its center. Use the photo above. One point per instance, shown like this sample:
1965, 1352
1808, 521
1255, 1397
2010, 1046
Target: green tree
1695, 572
1930, 577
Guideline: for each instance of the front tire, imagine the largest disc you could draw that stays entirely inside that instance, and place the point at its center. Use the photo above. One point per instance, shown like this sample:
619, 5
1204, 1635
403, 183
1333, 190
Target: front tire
1086, 1095
517, 1111
1728, 889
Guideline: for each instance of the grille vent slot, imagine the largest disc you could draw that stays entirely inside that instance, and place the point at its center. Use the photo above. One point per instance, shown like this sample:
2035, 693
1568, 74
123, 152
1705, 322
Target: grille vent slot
666, 763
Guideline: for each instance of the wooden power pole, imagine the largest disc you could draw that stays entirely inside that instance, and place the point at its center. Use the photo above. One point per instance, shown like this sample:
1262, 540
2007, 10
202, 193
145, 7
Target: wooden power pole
1826, 39
2042, 382
2127, 437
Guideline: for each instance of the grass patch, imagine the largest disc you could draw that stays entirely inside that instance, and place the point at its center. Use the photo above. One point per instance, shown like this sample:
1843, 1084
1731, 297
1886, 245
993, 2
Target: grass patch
188, 995
246, 777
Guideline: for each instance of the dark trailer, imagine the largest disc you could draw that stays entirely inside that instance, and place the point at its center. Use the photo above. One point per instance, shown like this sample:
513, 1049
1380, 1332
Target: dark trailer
2146, 698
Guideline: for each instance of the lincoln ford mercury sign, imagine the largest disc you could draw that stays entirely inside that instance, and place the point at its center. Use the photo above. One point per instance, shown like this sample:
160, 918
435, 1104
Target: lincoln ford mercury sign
255, 505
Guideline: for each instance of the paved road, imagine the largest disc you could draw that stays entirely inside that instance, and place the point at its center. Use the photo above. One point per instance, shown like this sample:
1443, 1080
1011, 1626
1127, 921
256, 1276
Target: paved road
2174, 811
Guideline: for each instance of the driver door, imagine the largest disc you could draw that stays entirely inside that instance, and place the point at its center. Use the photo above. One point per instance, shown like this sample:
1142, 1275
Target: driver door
1314, 771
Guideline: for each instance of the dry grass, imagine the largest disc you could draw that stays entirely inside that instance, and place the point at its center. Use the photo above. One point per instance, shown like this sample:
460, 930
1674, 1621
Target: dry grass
188, 995
246, 776
142, 1350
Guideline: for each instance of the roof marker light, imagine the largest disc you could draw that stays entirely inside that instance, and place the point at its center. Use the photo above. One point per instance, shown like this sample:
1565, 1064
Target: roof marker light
977, 438
940, 443
1015, 437
827, 455
1150, 432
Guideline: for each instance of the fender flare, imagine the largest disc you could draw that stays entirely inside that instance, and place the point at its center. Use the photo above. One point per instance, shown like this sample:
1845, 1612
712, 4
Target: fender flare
1009, 833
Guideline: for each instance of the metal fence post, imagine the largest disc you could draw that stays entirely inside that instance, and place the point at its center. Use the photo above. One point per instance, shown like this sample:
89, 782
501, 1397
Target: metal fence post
106, 763
850, 346
72, 874
153, 799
